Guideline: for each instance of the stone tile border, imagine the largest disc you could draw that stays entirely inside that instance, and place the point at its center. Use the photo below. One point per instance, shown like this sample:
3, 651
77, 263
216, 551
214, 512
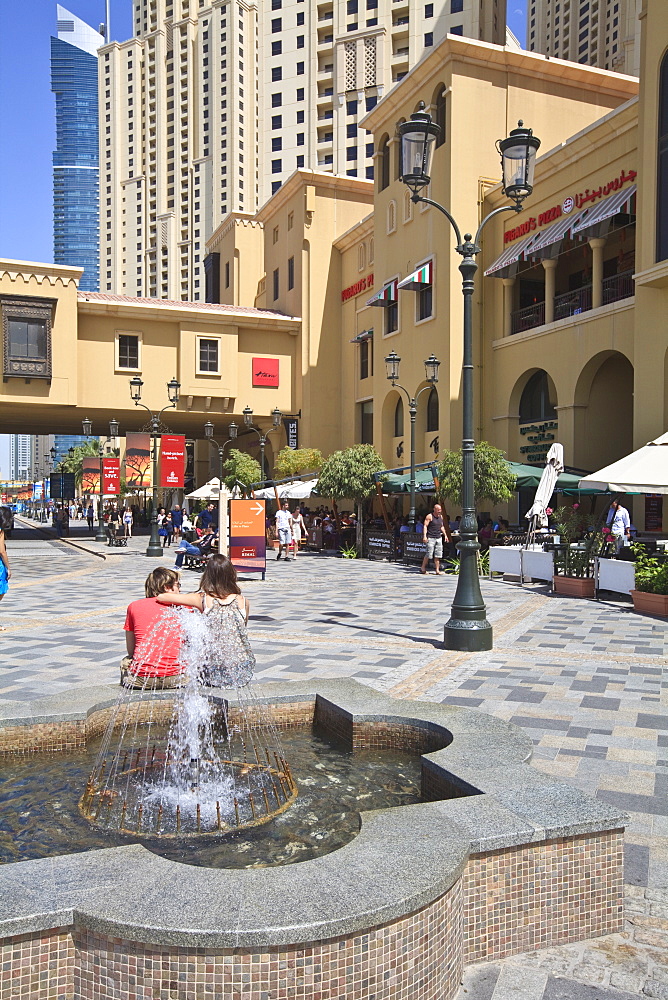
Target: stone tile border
516, 860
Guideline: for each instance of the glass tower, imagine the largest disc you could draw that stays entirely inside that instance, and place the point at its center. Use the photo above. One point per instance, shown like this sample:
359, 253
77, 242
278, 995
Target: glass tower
75, 160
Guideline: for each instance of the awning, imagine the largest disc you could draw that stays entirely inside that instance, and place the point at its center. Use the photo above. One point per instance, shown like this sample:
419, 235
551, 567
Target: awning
361, 337
387, 296
511, 254
418, 279
424, 482
605, 209
554, 233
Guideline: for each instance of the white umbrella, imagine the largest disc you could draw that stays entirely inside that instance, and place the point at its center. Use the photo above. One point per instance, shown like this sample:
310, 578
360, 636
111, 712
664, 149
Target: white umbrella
643, 471
294, 490
210, 491
548, 480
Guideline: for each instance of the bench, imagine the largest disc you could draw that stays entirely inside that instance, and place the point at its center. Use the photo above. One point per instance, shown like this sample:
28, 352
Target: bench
115, 539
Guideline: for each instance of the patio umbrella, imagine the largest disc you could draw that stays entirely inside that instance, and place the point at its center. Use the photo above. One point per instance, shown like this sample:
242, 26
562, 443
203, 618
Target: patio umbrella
296, 489
209, 491
643, 471
548, 480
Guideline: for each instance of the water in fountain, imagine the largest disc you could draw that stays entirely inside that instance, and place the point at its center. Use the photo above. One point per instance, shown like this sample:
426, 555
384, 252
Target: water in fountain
186, 762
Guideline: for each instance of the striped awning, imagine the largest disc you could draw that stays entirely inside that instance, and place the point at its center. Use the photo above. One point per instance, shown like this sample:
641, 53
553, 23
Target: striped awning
554, 233
387, 296
511, 255
418, 279
361, 337
605, 209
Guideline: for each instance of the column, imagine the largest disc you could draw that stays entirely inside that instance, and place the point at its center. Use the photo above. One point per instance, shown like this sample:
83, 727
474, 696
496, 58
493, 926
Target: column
550, 267
508, 286
597, 244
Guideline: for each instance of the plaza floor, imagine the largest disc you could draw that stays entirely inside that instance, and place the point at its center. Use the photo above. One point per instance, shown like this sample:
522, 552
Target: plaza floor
587, 681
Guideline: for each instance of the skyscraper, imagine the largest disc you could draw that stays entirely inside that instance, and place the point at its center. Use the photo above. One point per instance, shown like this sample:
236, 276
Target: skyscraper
75, 160
212, 105
603, 33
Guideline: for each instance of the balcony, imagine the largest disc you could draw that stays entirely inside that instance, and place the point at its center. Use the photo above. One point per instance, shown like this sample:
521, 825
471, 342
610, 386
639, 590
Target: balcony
528, 318
614, 289
572, 303
619, 286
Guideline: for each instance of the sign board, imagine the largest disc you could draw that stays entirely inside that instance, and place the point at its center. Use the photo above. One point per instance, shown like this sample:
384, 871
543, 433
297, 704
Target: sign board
265, 373
90, 476
380, 545
653, 512
248, 539
111, 477
62, 486
138, 460
291, 431
414, 547
172, 460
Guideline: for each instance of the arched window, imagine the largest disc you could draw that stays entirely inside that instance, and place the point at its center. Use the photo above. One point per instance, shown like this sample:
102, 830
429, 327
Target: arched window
371, 249
399, 418
384, 163
535, 403
432, 410
408, 207
392, 216
361, 257
662, 166
439, 113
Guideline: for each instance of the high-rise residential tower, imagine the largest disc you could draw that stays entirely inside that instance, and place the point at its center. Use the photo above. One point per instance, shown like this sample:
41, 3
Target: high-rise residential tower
75, 161
603, 33
214, 103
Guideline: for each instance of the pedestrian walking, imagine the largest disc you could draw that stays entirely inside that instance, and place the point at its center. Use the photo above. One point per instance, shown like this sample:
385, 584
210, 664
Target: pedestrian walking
298, 529
619, 522
127, 522
177, 522
434, 535
5, 571
166, 530
283, 521
90, 515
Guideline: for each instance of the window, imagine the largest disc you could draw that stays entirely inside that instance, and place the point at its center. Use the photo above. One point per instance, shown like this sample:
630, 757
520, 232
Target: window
227, 274
371, 102
456, 6
391, 317
429, 10
276, 166
428, 38
207, 356
276, 121
662, 166
27, 337
351, 6
274, 235
291, 272
457, 29
276, 73
391, 217
276, 48
361, 257
300, 117
127, 351
351, 131
300, 41
275, 284
276, 100
300, 18
351, 153
384, 163
439, 116
399, 418
300, 72
300, 95
275, 185
425, 302
432, 410
276, 25
366, 422
300, 161
366, 359
291, 220
276, 145
535, 403
300, 138
351, 107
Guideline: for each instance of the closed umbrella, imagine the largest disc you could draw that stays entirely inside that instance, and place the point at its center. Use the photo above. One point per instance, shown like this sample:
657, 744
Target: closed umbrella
537, 514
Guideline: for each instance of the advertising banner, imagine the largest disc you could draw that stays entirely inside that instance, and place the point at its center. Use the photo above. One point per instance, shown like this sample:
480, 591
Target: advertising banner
172, 460
90, 480
248, 545
291, 431
138, 461
111, 476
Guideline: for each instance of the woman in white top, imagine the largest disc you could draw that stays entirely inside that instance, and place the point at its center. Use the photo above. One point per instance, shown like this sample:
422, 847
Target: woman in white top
127, 522
298, 529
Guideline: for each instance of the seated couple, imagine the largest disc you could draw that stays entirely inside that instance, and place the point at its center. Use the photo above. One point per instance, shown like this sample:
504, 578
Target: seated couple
200, 550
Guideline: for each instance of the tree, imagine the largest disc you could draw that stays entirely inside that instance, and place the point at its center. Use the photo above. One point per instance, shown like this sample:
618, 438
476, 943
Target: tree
74, 462
349, 474
242, 468
292, 461
492, 478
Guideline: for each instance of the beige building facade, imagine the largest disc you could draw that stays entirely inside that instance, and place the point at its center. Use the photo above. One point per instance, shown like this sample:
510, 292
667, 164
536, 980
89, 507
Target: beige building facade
603, 33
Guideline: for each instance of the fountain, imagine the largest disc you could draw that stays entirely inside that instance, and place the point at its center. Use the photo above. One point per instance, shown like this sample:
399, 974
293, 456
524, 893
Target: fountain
211, 769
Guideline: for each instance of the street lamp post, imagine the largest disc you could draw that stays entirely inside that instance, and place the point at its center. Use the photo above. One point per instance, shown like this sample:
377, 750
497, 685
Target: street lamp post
468, 629
113, 433
263, 435
431, 372
232, 432
156, 428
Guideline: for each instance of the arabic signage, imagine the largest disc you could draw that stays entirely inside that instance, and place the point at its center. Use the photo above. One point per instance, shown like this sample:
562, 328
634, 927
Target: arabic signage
291, 431
248, 540
111, 476
360, 286
540, 438
172, 460
265, 373
414, 547
579, 200
138, 461
379, 545
653, 512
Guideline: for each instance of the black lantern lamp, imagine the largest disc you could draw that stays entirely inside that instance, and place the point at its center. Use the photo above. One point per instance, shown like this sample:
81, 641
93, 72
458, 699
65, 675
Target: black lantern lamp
417, 137
392, 362
135, 388
233, 430
173, 388
248, 416
518, 162
113, 428
276, 417
208, 429
431, 367
87, 426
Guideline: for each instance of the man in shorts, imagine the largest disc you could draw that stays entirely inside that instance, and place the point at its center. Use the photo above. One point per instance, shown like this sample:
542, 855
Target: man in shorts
434, 536
153, 655
284, 529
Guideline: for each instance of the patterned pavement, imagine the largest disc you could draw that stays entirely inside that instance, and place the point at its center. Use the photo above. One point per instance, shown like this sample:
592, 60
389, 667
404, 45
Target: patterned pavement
586, 680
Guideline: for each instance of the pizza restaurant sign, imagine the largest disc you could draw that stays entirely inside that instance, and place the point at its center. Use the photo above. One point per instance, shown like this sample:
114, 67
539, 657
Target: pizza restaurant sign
360, 286
579, 200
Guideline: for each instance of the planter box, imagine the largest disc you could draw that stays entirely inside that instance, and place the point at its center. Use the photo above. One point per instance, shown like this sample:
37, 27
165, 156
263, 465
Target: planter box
573, 586
650, 604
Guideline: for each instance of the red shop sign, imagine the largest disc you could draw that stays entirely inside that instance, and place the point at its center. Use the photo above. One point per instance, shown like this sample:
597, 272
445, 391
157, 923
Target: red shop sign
265, 373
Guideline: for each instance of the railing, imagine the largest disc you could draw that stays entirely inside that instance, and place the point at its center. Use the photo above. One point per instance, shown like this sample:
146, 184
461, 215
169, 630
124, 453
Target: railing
527, 318
572, 303
619, 286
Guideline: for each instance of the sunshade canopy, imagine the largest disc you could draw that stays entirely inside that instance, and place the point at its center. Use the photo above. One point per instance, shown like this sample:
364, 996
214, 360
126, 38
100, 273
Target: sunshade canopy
528, 478
294, 490
604, 210
424, 482
643, 471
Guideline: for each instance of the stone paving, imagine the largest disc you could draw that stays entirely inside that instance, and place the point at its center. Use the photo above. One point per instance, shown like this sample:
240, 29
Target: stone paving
587, 681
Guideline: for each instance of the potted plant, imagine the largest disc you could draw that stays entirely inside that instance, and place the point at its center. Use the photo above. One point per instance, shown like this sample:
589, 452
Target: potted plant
576, 578
651, 594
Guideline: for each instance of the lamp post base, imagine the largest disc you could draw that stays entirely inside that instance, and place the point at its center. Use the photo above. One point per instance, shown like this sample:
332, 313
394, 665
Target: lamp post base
468, 635
100, 534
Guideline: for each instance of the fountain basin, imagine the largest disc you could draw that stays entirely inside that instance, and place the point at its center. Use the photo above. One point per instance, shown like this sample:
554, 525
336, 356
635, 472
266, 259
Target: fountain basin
501, 859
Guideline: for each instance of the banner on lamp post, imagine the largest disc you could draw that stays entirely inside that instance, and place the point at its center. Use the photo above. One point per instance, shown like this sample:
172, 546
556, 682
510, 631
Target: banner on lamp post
172, 461
138, 460
90, 476
111, 476
291, 431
